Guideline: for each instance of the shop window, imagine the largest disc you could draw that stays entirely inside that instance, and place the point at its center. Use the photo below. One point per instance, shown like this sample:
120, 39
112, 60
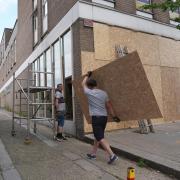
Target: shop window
42, 69
109, 3
57, 63
48, 67
44, 15
67, 69
142, 12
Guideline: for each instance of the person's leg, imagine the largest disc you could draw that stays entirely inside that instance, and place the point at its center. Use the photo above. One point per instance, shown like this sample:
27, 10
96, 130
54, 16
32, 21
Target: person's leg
106, 146
60, 124
95, 147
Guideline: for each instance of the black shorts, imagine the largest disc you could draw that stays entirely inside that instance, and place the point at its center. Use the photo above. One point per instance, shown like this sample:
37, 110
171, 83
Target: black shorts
99, 125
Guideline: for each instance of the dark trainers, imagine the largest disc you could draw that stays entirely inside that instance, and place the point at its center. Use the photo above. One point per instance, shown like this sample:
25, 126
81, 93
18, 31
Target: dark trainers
91, 156
112, 159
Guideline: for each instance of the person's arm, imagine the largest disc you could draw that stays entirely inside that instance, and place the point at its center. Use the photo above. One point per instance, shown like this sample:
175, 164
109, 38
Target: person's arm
88, 75
111, 111
84, 82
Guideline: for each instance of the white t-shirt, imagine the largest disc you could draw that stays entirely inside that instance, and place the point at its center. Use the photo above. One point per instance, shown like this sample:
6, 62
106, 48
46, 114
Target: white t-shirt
61, 102
97, 101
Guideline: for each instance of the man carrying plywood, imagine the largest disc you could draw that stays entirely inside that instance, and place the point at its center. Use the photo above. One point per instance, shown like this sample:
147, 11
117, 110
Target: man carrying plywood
99, 106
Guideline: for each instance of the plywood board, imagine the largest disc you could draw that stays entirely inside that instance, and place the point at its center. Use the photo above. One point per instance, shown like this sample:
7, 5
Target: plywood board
128, 88
169, 52
154, 76
168, 90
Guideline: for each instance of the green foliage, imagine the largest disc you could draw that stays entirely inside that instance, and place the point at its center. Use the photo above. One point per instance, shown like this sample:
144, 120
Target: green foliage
167, 5
141, 163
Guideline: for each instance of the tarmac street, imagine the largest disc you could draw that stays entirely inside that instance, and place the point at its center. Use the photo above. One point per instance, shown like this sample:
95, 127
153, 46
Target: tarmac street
50, 160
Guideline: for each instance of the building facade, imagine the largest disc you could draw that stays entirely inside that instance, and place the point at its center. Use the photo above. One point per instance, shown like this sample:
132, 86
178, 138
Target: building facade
72, 37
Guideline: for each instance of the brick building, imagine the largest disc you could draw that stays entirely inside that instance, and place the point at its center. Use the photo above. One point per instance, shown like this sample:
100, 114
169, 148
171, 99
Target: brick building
72, 37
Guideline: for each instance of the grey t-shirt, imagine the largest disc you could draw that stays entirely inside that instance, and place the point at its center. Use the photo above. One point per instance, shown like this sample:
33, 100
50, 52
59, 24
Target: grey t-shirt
97, 101
61, 103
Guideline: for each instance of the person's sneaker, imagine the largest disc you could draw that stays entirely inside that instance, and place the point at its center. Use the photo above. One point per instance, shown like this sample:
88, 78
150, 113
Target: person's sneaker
112, 159
63, 138
91, 156
58, 137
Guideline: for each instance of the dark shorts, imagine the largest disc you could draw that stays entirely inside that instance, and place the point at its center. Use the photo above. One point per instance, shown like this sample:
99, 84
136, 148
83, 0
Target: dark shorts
60, 119
99, 125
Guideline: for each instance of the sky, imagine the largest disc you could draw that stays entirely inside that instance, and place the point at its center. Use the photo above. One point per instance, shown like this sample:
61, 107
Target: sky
8, 14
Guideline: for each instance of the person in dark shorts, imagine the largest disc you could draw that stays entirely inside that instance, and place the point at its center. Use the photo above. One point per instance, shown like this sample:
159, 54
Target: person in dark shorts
60, 112
99, 106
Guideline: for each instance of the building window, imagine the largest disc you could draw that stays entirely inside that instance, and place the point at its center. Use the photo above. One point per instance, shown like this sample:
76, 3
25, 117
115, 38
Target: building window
57, 63
42, 69
66, 44
48, 67
44, 15
35, 28
14, 51
34, 4
174, 15
109, 3
36, 75
142, 12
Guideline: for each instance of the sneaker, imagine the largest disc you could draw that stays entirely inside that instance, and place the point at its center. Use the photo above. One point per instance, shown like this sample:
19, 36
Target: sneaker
58, 139
112, 159
91, 156
63, 138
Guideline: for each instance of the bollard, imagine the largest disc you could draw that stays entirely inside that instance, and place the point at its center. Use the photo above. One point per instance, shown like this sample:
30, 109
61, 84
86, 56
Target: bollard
130, 173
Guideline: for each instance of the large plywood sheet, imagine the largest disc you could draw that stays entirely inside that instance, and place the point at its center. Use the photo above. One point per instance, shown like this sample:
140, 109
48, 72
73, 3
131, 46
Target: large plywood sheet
169, 52
126, 83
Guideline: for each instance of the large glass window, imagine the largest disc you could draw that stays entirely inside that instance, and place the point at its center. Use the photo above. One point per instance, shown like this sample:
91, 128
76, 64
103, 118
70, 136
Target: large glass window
44, 15
67, 66
66, 41
57, 63
48, 67
36, 75
42, 69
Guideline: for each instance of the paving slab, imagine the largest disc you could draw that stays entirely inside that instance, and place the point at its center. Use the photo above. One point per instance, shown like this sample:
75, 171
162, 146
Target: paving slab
160, 149
64, 160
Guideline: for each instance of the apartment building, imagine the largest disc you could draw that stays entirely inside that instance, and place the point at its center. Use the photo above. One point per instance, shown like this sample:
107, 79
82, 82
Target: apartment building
72, 37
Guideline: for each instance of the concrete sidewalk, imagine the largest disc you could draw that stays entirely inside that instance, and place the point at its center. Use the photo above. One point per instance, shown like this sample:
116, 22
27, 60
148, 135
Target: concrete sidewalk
46, 159
161, 150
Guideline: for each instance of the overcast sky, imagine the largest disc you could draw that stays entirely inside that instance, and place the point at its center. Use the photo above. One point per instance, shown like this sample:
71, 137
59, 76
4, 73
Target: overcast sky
8, 14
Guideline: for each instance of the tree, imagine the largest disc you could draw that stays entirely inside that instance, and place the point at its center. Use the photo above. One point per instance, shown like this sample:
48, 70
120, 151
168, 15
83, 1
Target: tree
166, 5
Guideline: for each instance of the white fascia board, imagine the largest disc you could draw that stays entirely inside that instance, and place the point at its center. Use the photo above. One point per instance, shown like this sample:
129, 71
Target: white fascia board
134, 22
100, 14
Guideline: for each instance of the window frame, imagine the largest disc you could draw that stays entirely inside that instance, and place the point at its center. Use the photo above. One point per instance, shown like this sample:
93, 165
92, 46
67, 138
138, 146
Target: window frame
144, 13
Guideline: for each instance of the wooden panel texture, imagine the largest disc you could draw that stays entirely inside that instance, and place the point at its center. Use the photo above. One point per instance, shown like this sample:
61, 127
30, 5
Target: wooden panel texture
128, 88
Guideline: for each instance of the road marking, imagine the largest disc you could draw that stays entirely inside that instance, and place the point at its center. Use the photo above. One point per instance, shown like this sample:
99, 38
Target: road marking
8, 170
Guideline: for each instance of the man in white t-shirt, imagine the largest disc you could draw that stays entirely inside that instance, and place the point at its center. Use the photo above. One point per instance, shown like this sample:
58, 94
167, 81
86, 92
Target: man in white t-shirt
60, 111
99, 106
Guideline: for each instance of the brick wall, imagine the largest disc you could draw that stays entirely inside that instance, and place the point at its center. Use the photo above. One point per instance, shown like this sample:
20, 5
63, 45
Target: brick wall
24, 38
128, 6
83, 40
159, 15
